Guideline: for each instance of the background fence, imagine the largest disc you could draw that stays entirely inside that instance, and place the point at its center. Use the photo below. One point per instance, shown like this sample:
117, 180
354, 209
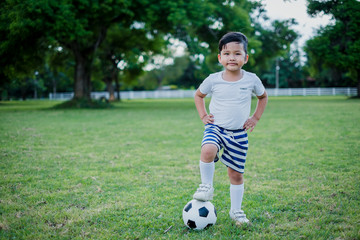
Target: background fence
190, 93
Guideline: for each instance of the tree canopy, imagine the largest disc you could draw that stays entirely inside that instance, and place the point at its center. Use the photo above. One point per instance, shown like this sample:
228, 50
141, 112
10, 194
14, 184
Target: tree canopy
114, 39
334, 52
80, 26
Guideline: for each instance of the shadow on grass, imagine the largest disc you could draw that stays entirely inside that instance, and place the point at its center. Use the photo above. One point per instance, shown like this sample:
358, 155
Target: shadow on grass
102, 103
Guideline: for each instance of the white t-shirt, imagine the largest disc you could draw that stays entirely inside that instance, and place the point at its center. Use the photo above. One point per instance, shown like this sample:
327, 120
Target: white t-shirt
231, 101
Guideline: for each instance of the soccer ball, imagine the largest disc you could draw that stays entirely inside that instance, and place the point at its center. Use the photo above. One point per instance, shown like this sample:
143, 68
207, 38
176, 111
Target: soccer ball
198, 215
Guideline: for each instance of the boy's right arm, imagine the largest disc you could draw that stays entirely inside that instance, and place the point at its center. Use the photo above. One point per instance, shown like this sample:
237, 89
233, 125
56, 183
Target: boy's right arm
200, 106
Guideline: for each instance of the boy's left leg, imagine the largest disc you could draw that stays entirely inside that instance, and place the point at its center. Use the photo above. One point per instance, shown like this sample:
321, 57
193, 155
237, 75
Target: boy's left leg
236, 196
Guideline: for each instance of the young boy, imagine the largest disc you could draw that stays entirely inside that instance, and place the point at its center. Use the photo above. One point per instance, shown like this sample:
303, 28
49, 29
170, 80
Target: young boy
228, 121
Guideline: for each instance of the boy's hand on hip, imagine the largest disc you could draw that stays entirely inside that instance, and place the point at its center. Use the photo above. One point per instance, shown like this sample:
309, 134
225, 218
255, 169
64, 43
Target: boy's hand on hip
208, 118
250, 123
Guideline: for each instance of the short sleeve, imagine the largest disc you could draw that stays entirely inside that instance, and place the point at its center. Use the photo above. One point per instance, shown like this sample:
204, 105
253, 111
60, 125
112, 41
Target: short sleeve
259, 88
206, 85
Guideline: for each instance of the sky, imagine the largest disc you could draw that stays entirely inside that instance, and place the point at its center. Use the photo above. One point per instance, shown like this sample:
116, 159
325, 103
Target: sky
280, 9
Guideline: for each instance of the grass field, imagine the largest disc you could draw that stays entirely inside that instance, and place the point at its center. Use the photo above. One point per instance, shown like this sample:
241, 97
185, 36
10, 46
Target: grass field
128, 171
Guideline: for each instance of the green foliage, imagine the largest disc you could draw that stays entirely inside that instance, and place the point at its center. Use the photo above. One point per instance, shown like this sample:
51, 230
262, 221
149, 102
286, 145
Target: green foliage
95, 36
128, 171
58, 70
264, 44
129, 47
275, 42
210, 31
81, 27
165, 75
291, 73
20, 47
333, 55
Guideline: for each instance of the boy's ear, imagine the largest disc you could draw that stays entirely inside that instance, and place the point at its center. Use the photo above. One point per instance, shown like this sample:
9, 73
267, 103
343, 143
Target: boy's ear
247, 58
219, 57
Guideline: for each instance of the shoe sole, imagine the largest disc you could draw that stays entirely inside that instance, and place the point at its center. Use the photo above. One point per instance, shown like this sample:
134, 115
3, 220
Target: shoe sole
203, 200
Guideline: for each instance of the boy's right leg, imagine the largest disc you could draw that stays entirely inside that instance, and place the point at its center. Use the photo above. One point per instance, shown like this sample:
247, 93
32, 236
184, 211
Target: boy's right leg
205, 191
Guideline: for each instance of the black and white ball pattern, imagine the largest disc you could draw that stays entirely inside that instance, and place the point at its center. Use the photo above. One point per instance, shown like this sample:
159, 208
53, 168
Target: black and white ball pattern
198, 215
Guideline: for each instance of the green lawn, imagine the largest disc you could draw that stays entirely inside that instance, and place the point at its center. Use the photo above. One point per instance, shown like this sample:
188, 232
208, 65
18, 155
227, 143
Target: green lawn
128, 171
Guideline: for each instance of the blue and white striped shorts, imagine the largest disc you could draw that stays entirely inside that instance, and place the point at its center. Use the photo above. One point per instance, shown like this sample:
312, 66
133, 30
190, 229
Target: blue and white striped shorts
234, 142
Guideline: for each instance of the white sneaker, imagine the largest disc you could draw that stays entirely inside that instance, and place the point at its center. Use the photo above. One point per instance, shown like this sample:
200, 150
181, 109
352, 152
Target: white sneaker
239, 216
204, 193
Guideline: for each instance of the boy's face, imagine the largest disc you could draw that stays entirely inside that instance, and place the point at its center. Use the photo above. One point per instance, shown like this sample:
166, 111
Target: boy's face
233, 56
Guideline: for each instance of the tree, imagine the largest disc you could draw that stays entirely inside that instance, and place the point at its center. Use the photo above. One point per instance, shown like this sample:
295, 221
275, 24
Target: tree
129, 47
80, 26
290, 71
336, 48
265, 44
276, 42
58, 66
164, 74
20, 53
216, 19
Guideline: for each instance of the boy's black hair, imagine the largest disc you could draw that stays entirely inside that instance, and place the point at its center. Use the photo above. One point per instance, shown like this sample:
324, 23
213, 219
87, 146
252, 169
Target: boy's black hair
233, 37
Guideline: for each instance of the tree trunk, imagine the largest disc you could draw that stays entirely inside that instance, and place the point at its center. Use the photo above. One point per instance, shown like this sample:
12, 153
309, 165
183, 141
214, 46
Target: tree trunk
114, 78
117, 87
82, 86
159, 79
110, 89
54, 86
84, 58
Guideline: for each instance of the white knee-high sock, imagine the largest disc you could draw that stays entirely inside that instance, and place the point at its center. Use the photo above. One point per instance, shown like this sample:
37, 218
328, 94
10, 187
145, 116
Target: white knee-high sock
207, 172
236, 196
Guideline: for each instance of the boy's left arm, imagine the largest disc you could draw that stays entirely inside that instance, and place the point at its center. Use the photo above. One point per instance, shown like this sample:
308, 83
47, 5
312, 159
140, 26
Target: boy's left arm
260, 107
